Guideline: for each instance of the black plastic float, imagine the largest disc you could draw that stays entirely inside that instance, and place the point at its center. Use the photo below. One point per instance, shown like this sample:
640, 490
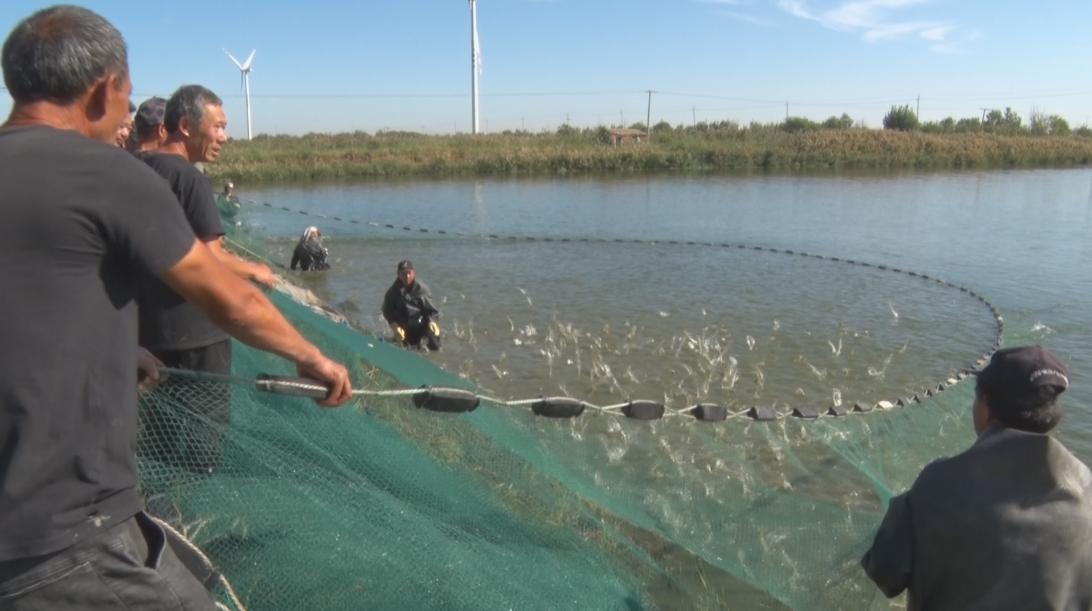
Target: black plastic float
448, 400
558, 407
643, 410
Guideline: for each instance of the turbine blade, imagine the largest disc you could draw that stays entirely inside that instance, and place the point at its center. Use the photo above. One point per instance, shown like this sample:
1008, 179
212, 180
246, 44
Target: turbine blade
249, 59
233, 60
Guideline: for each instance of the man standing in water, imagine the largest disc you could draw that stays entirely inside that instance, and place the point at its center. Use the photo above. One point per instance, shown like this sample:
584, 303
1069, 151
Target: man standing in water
409, 311
73, 535
1007, 524
173, 329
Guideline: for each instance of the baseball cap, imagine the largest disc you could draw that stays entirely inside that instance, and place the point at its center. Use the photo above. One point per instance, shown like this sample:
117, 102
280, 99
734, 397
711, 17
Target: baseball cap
150, 113
1021, 371
405, 264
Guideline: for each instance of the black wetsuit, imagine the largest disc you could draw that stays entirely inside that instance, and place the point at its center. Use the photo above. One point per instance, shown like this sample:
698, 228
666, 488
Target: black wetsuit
310, 255
410, 308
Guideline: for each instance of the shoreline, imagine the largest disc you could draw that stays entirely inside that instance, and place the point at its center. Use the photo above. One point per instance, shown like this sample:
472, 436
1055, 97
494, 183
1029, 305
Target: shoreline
401, 155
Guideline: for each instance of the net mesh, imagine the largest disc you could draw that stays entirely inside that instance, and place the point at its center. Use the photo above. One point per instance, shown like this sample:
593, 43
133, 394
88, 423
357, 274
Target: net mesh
381, 505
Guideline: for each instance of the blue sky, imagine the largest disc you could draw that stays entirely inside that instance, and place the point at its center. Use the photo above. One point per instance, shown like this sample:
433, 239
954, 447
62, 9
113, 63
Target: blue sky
330, 66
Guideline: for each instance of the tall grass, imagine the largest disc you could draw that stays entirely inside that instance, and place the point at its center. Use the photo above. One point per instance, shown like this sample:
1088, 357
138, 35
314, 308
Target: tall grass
723, 147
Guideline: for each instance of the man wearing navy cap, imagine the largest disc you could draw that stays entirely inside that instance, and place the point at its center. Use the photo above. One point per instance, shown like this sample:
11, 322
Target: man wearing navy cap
1007, 524
148, 126
409, 310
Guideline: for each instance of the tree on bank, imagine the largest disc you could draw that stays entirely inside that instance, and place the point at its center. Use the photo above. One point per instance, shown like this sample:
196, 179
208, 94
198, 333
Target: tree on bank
901, 118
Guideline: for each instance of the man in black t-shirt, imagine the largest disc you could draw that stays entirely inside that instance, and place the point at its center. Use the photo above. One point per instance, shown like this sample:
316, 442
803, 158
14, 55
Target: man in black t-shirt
93, 219
173, 329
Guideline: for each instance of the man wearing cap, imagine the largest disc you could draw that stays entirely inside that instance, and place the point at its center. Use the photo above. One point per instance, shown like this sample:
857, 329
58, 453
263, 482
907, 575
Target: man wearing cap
409, 311
1007, 524
73, 533
148, 126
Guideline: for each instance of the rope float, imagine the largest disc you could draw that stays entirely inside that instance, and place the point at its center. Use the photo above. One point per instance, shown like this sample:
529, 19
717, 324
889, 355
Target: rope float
455, 400
450, 400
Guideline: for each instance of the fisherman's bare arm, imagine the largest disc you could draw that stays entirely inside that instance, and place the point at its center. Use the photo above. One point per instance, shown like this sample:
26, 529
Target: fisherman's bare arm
258, 272
242, 310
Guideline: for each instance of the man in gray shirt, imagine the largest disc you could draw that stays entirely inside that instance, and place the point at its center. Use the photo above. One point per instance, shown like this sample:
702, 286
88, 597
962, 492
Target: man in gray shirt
1007, 524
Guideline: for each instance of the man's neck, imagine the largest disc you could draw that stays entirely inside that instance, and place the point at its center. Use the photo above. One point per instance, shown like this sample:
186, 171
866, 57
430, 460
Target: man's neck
68, 117
174, 146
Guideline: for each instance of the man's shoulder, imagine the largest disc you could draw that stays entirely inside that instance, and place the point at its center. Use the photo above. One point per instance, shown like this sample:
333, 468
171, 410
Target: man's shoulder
170, 164
49, 147
1001, 452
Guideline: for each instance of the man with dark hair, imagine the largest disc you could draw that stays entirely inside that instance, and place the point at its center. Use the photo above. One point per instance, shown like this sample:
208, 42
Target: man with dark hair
1007, 524
72, 531
173, 329
148, 126
409, 310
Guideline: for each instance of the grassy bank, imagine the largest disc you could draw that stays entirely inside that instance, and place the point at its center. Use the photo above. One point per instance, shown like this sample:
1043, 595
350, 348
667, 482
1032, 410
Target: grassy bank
570, 151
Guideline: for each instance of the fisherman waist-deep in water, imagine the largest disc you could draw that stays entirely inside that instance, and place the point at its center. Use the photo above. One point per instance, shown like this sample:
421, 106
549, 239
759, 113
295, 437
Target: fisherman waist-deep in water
409, 310
310, 254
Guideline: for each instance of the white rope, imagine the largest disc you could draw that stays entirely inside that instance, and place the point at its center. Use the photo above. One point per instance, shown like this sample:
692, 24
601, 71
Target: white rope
200, 554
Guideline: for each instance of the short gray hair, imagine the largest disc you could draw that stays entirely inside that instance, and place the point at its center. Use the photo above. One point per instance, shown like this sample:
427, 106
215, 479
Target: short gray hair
188, 103
59, 52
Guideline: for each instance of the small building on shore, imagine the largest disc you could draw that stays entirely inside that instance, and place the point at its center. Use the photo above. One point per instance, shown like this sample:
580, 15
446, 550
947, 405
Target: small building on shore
624, 135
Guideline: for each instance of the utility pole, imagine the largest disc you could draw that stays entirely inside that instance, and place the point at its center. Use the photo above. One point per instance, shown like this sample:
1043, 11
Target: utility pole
622, 118
786, 111
648, 117
475, 65
693, 115
917, 108
984, 115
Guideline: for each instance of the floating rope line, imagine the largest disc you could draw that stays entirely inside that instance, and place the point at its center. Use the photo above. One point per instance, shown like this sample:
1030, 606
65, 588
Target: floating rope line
458, 400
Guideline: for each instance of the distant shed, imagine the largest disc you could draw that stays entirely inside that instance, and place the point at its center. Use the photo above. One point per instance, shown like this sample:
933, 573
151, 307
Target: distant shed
627, 136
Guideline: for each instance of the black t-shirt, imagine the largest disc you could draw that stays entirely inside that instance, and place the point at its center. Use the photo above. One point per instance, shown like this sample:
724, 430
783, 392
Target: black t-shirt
80, 222
167, 321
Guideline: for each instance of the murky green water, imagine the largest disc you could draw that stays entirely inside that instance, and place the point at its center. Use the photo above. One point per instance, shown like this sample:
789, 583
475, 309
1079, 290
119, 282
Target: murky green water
680, 323
785, 507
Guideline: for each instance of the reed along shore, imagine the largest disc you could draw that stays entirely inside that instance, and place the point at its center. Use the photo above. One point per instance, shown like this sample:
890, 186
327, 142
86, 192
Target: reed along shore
570, 151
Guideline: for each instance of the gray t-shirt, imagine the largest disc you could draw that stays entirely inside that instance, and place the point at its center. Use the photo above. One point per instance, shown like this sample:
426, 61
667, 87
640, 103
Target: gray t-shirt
82, 221
1005, 525
167, 321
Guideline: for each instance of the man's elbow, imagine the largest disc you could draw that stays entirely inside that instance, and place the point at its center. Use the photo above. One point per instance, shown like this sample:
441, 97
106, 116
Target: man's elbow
890, 580
239, 309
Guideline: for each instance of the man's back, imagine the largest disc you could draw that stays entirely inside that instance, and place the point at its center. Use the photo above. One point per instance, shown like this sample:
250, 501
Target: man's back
82, 221
1005, 525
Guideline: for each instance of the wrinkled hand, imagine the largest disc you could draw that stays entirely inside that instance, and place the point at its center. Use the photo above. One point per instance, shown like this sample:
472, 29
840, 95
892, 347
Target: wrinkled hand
148, 367
331, 373
263, 275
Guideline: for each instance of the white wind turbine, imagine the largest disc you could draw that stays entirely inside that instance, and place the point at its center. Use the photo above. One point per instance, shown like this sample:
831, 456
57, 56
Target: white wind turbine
475, 62
244, 73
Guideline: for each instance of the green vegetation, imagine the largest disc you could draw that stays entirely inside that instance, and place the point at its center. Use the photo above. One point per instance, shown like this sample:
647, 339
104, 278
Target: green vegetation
901, 118
1000, 140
